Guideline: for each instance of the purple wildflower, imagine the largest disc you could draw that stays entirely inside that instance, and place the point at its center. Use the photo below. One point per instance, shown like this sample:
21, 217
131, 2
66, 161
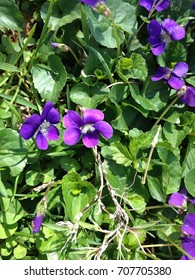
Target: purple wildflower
37, 222
158, 5
44, 124
189, 96
99, 6
172, 77
188, 239
87, 127
193, 5
161, 34
180, 199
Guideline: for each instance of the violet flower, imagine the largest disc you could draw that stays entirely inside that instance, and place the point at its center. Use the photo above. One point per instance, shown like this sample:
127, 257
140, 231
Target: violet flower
180, 199
188, 239
37, 222
162, 34
44, 124
88, 127
172, 77
158, 5
189, 96
99, 6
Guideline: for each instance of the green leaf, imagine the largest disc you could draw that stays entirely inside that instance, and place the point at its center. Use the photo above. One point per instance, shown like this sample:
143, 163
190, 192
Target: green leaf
64, 12
171, 175
13, 213
77, 194
189, 181
119, 153
87, 97
102, 28
7, 230
136, 202
155, 185
133, 67
49, 80
20, 252
12, 151
9, 67
10, 16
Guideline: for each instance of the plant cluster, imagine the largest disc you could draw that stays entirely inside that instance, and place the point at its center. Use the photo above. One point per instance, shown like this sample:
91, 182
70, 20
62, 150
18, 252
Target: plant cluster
97, 129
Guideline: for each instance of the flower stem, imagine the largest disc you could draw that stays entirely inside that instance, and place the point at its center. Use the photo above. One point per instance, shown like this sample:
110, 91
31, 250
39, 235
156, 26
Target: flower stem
116, 38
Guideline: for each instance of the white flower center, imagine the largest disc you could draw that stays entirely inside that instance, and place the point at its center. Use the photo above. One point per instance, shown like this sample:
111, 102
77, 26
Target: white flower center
165, 37
87, 128
44, 128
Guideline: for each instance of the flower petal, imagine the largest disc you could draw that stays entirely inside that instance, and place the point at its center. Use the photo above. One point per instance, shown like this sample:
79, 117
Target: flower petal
73, 119
189, 97
160, 73
53, 116
168, 25
41, 141
104, 129
177, 199
146, 4
93, 2
47, 107
90, 140
92, 116
30, 126
158, 49
37, 222
53, 133
162, 5
188, 244
72, 135
180, 69
178, 33
154, 28
175, 82
188, 226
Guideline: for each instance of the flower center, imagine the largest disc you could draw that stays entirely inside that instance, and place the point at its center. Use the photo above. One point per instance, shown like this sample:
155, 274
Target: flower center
165, 37
168, 74
87, 128
44, 127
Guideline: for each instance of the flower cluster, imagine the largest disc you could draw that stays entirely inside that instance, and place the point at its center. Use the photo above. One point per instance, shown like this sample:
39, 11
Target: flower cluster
160, 34
88, 127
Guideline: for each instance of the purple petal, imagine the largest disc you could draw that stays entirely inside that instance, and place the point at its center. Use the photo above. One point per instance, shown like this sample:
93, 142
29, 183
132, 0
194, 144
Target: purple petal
189, 97
160, 73
48, 106
192, 200
185, 258
53, 133
90, 140
37, 222
53, 116
154, 28
73, 119
41, 141
163, 5
188, 226
188, 244
92, 116
93, 2
158, 49
177, 199
104, 129
175, 82
180, 69
146, 4
72, 135
168, 25
177, 33
30, 126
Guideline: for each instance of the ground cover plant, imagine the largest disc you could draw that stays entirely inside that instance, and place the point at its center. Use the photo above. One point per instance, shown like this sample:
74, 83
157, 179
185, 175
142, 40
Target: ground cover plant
97, 129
